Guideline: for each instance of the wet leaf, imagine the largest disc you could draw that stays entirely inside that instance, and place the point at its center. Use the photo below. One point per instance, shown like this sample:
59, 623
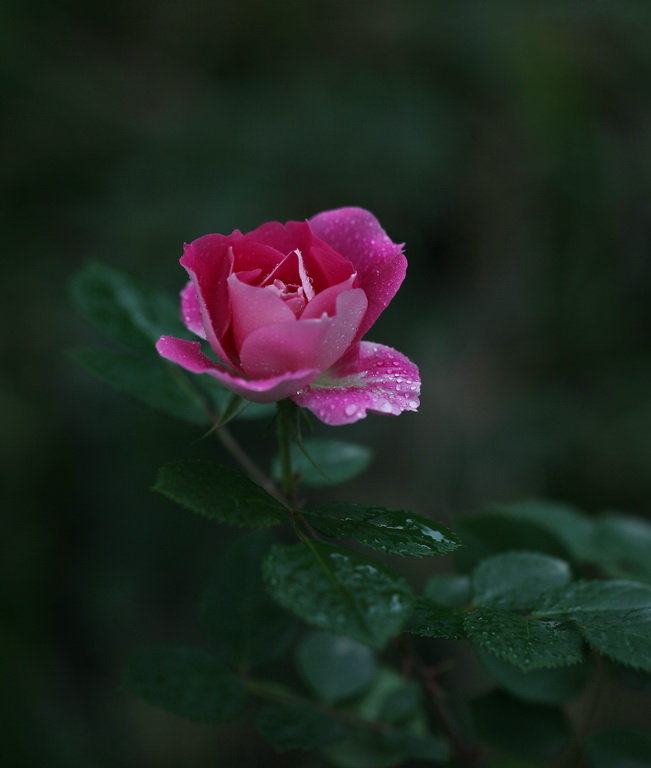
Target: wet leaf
382, 528
339, 591
527, 642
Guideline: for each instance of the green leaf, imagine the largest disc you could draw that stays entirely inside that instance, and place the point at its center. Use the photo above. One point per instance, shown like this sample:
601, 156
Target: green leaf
337, 461
565, 523
620, 748
529, 731
235, 611
527, 642
491, 533
339, 591
613, 616
448, 589
297, 726
127, 310
218, 493
622, 546
517, 580
335, 667
147, 380
541, 686
430, 619
388, 530
185, 681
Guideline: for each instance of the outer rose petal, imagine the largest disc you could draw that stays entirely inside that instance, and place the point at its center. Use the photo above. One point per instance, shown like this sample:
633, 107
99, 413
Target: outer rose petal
380, 264
188, 355
303, 344
208, 261
191, 310
371, 377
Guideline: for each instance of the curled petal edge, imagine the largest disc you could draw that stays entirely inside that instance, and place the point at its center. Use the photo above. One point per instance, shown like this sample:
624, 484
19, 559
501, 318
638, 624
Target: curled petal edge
370, 377
188, 355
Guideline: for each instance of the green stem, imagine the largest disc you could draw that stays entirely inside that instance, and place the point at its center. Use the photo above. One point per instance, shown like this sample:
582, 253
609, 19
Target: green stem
286, 426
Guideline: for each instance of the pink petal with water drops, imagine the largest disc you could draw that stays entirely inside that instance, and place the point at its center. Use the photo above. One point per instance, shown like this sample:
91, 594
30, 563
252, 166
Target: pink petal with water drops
188, 355
191, 310
380, 264
303, 344
371, 377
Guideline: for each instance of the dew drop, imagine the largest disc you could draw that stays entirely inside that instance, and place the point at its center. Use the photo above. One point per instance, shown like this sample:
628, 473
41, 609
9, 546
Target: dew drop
350, 409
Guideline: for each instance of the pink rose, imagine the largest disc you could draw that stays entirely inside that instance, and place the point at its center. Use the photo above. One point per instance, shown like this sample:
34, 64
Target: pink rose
284, 308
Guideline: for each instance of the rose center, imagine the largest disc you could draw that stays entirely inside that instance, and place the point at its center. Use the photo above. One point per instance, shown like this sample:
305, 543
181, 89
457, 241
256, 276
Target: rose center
293, 295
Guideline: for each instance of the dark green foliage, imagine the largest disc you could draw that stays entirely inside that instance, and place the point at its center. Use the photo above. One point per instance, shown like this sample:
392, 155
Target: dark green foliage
318, 462
527, 731
396, 706
540, 686
218, 493
298, 726
339, 591
388, 530
430, 619
235, 610
622, 546
620, 748
517, 580
147, 380
527, 642
613, 616
448, 590
491, 533
126, 310
335, 667
185, 681
570, 526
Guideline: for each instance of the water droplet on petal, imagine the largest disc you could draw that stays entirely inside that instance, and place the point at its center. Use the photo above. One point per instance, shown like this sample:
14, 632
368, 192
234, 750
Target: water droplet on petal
350, 409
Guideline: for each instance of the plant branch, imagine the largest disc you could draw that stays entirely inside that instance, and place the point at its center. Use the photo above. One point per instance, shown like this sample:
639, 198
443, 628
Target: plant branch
468, 755
249, 466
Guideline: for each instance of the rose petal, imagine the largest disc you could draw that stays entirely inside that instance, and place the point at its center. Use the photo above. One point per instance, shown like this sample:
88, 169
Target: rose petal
301, 344
209, 261
250, 254
253, 307
380, 264
326, 301
324, 266
371, 377
188, 355
191, 311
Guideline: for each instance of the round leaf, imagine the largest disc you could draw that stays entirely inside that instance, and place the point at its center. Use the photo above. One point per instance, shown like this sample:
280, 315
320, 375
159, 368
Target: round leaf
326, 462
335, 667
517, 580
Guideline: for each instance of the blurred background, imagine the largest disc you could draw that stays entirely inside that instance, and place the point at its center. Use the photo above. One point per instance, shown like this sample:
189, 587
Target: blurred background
509, 146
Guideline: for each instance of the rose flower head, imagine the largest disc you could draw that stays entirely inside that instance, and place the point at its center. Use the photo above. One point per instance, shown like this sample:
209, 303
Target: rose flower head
284, 309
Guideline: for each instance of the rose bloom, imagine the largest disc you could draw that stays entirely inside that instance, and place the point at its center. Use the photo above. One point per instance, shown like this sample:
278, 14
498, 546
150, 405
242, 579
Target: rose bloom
284, 308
